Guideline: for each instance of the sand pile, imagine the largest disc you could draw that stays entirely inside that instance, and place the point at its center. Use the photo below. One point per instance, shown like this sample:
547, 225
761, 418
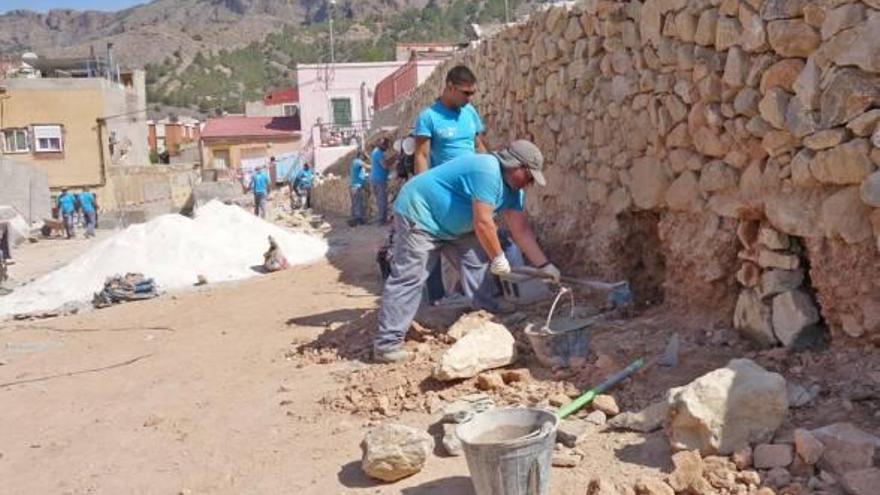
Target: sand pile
223, 243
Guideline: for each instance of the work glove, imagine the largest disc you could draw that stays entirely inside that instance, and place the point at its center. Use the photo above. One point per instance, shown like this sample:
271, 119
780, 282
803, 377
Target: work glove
550, 271
500, 265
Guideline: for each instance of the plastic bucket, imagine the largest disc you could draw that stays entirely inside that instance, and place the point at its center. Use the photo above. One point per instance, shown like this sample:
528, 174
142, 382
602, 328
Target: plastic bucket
509, 451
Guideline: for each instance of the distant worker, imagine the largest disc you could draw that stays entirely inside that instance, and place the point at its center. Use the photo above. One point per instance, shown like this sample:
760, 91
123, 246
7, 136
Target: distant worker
447, 129
88, 205
67, 209
302, 186
357, 177
450, 209
259, 185
379, 180
5, 243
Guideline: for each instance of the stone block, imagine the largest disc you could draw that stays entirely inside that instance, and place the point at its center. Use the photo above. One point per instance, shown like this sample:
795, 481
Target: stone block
847, 448
782, 74
393, 451
706, 28
768, 456
870, 190
849, 163
844, 215
749, 275
754, 31
649, 183
793, 38
777, 281
773, 105
807, 446
865, 124
793, 313
485, 347
753, 318
840, 18
847, 94
728, 33
772, 259
773, 239
825, 139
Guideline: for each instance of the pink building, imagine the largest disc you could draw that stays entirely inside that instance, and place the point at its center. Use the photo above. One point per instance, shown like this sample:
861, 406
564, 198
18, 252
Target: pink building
336, 103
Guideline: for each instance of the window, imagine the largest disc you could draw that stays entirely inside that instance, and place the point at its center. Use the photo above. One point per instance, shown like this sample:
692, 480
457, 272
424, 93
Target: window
341, 111
289, 110
15, 140
48, 139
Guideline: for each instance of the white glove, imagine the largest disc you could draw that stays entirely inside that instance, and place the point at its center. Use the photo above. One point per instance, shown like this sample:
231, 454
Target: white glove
551, 271
500, 265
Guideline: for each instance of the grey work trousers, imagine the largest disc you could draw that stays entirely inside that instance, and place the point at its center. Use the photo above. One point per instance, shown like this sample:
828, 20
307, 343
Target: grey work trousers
90, 217
69, 227
260, 202
380, 193
358, 208
414, 254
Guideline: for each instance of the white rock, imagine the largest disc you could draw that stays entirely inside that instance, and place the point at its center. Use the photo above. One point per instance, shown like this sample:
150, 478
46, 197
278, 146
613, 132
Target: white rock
486, 347
752, 317
394, 451
726, 409
793, 313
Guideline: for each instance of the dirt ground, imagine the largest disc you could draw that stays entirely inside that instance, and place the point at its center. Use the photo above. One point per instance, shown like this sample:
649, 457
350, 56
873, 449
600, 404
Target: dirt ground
263, 387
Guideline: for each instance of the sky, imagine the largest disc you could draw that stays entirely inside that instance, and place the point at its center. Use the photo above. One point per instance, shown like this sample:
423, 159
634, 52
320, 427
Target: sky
44, 5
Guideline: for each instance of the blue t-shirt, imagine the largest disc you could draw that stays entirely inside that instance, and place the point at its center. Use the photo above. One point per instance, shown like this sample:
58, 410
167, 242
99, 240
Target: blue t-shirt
378, 174
86, 201
260, 183
66, 203
356, 173
304, 179
452, 132
439, 201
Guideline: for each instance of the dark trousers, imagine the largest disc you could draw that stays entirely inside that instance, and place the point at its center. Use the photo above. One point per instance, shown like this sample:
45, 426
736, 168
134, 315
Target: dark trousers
5, 250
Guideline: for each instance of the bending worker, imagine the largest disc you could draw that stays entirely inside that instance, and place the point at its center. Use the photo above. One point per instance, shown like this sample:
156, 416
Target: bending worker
451, 209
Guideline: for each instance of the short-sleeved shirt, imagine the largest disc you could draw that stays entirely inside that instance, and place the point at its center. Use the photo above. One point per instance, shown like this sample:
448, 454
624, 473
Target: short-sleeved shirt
86, 201
260, 183
304, 179
452, 132
356, 173
440, 201
378, 174
66, 203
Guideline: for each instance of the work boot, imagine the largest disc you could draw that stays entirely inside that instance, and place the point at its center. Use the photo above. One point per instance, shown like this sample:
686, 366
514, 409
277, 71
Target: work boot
390, 356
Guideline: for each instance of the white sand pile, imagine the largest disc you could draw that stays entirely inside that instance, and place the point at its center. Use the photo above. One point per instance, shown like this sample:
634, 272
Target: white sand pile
223, 243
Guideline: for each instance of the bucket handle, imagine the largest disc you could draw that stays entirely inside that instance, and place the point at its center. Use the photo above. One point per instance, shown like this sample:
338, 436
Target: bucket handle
562, 291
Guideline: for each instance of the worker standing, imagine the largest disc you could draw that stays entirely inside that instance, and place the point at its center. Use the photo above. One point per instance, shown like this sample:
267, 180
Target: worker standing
451, 126
86, 200
379, 180
303, 186
450, 209
357, 177
259, 185
67, 209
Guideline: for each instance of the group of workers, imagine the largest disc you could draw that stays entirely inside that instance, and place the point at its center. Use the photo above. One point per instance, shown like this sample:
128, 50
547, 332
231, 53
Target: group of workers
299, 183
83, 205
449, 208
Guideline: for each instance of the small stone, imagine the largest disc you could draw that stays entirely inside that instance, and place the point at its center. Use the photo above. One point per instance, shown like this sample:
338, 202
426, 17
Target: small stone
782, 74
602, 486
864, 124
566, 459
571, 432
862, 482
778, 477
490, 381
607, 404
393, 451
743, 458
772, 259
645, 421
749, 274
451, 443
487, 346
846, 164
688, 473
773, 239
800, 396
773, 107
847, 448
597, 418
825, 139
559, 400
807, 446
651, 486
793, 38
752, 317
769, 456
870, 190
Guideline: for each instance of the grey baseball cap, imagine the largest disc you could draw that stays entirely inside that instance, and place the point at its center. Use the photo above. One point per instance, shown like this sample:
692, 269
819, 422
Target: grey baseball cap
523, 153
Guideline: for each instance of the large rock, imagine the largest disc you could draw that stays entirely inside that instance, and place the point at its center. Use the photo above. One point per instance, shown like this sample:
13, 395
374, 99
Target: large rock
844, 215
797, 212
649, 183
727, 409
854, 47
847, 94
870, 190
793, 38
862, 482
847, 448
486, 347
793, 313
752, 317
469, 322
782, 74
848, 163
394, 451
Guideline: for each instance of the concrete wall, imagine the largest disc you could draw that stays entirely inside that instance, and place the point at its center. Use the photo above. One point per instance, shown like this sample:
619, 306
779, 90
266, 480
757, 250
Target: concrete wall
136, 194
249, 148
700, 148
25, 188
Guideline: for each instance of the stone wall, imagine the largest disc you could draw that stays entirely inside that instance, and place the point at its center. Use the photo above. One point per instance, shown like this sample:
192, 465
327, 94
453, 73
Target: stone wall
669, 126
25, 188
137, 194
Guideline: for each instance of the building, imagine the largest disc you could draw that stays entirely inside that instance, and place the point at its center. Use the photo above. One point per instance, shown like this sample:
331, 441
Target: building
171, 135
282, 103
426, 51
337, 103
75, 120
237, 143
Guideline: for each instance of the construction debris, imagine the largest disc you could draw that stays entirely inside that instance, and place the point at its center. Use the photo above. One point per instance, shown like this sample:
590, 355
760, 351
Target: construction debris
120, 289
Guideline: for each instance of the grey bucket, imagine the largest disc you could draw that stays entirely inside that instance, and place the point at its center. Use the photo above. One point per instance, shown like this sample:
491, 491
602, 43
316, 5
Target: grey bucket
518, 464
560, 340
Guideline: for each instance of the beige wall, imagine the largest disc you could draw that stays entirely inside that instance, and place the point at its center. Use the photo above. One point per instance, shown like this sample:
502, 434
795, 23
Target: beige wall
248, 149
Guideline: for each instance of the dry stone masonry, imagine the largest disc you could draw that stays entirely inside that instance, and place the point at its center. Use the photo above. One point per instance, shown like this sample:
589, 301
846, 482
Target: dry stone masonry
670, 126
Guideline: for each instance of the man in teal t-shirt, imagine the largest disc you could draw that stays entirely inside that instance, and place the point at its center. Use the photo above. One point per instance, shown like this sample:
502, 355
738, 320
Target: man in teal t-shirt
302, 186
357, 178
67, 209
86, 200
450, 209
260, 187
379, 180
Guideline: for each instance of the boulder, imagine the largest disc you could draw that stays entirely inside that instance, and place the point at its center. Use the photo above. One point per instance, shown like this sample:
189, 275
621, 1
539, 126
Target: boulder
777, 281
844, 215
753, 318
649, 183
768, 456
727, 409
483, 348
846, 164
846, 95
793, 313
847, 448
793, 38
870, 190
394, 451
862, 482
807, 446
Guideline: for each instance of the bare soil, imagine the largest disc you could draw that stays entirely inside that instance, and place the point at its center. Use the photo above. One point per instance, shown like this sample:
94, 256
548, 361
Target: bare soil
264, 386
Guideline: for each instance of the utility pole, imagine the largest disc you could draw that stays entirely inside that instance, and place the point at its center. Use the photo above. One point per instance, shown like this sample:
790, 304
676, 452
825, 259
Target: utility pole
332, 45
506, 12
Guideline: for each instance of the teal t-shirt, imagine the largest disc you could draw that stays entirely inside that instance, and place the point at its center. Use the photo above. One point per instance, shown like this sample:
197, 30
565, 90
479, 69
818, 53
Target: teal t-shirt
66, 203
260, 183
452, 132
304, 179
86, 201
378, 174
439, 201
357, 174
